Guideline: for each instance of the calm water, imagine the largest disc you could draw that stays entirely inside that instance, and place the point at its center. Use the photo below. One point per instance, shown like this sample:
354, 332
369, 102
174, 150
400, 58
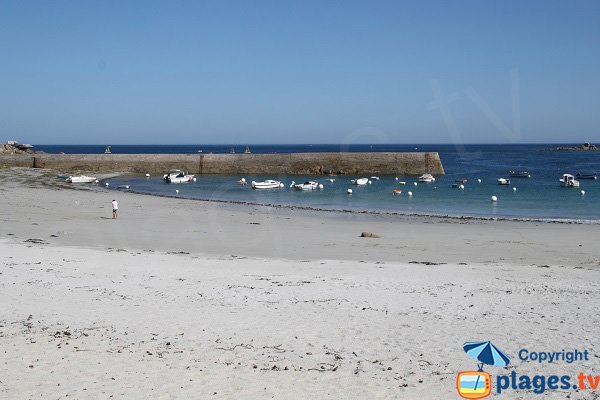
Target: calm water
537, 197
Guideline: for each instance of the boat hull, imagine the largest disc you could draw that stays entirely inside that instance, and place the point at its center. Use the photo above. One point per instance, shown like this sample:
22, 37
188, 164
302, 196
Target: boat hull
306, 186
520, 174
266, 185
81, 179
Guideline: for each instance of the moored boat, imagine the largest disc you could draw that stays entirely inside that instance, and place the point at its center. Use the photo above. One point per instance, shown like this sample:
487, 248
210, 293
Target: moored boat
519, 174
81, 179
267, 184
177, 176
568, 180
586, 176
426, 178
310, 185
360, 181
503, 181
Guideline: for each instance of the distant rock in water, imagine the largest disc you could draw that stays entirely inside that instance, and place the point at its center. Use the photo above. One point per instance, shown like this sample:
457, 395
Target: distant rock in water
583, 147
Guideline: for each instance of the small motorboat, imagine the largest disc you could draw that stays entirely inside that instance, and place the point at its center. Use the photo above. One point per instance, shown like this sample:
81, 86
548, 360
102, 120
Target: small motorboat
360, 181
461, 180
503, 181
397, 191
267, 184
568, 180
426, 178
310, 185
586, 176
375, 178
402, 183
177, 176
81, 179
519, 174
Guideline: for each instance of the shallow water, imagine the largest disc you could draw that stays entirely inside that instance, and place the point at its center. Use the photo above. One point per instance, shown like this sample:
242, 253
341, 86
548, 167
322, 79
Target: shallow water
539, 197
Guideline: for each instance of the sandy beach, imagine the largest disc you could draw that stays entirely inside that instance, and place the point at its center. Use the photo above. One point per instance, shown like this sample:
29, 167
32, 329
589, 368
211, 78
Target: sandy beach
180, 299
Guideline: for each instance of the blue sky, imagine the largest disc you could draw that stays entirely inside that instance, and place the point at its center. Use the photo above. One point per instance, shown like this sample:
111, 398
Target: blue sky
145, 72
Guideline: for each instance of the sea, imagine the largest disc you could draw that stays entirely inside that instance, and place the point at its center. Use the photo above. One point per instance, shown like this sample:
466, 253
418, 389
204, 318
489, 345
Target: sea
539, 197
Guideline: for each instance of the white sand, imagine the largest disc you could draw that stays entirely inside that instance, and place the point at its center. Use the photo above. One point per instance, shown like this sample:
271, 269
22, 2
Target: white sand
294, 307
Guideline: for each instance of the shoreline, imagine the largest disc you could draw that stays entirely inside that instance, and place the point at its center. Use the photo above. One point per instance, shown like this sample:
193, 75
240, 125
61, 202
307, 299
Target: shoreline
549, 220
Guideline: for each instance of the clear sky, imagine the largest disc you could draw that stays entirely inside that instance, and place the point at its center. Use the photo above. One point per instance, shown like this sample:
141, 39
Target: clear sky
153, 72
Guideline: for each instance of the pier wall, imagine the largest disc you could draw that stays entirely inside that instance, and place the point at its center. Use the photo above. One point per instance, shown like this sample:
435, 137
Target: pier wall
413, 163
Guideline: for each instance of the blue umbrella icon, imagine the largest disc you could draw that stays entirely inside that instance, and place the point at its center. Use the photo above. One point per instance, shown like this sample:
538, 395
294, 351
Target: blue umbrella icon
486, 353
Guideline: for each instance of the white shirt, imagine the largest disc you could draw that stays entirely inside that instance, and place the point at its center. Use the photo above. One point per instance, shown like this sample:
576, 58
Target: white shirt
115, 205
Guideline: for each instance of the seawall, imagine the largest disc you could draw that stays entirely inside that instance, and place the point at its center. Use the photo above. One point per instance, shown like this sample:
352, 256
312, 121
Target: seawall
413, 163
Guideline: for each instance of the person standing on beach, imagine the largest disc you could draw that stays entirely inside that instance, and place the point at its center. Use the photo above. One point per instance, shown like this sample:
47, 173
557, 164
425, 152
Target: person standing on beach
115, 207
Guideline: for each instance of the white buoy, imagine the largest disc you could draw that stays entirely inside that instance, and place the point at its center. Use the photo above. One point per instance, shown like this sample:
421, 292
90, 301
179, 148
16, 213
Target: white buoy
349, 191
321, 186
396, 178
194, 179
177, 191
369, 182
281, 185
514, 189
415, 183
147, 175
106, 184
462, 187
478, 180
409, 194
494, 199
97, 181
582, 192
127, 187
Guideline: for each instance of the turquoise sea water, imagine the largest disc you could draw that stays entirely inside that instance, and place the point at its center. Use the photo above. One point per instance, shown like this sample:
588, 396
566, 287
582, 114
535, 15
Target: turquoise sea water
539, 197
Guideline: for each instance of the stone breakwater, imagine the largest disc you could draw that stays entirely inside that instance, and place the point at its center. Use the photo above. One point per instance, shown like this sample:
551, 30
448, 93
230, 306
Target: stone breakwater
410, 163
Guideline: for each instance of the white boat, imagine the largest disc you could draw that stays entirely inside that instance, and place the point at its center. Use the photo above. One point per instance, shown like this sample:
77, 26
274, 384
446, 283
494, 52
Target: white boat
426, 178
177, 176
267, 184
360, 181
568, 180
519, 174
310, 185
81, 179
503, 181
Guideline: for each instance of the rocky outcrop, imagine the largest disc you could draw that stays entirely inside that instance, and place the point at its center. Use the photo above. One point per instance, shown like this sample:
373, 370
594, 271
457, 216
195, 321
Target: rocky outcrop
583, 147
12, 149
